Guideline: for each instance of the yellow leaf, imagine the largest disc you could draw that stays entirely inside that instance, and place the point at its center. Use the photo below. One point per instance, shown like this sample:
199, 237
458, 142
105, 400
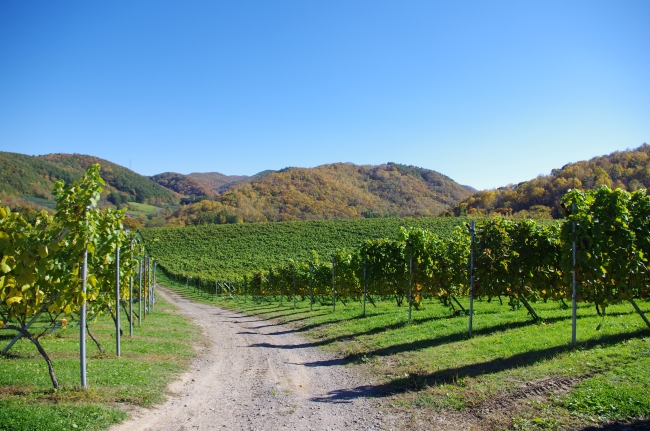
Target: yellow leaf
5, 268
13, 299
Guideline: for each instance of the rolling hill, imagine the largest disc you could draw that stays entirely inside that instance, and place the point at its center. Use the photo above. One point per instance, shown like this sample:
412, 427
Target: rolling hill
540, 197
334, 191
30, 178
206, 184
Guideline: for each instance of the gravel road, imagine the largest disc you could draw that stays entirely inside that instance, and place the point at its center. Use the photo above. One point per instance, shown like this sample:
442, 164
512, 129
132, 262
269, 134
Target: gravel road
256, 374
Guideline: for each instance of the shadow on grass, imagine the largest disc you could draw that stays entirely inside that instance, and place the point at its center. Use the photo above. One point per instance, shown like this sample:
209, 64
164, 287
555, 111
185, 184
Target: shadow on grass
277, 313
455, 337
284, 323
451, 375
391, 350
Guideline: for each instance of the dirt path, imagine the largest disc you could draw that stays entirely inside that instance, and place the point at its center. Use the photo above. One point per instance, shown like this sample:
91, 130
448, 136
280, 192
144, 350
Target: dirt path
258, 375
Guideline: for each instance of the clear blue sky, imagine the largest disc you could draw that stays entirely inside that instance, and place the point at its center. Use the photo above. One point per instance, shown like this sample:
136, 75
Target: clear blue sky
486, 92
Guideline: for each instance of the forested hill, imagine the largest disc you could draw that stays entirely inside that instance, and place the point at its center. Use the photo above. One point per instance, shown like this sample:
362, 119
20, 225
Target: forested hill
32, 178
203, 183
334, 191
183, 184
540, 197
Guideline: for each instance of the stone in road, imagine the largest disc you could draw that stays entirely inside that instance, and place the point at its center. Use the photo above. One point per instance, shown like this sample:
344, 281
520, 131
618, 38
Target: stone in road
258, 375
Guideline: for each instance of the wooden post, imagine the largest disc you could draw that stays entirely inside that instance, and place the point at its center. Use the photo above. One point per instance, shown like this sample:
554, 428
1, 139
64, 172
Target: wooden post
150, 280
131, 298
294, 286
140, 269
82, 321
146, 286
117, 301
364, 288
153, 287
471, 277
311, 286
410, 285
574, 307
333, 287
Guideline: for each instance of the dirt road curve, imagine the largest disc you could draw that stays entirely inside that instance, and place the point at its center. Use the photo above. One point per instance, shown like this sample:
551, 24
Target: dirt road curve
257, 375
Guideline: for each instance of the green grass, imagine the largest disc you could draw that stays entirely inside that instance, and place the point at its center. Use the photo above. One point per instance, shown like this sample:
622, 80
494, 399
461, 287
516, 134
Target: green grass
16, 415
432, 366
135, 209
158, 352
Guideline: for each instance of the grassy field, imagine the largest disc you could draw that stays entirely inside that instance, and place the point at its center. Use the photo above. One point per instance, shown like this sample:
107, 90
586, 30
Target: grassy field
512, 374
158, 352
135, 209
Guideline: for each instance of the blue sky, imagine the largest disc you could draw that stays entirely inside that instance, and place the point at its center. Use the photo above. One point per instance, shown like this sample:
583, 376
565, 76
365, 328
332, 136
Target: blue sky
486, 92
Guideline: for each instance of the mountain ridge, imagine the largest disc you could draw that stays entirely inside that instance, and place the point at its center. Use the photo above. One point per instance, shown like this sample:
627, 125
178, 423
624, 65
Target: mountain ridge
330, 191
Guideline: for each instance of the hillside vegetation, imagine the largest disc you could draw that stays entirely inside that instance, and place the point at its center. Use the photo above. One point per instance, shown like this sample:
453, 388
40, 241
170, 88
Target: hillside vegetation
182, 184
540, 197
29, 177
335, 191
220, 183
203, 184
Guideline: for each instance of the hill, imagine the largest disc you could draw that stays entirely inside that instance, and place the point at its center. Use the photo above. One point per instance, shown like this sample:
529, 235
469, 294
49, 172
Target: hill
182, 184
203, 184
334, 191
540, 197
221, 183
206, 184
30, 178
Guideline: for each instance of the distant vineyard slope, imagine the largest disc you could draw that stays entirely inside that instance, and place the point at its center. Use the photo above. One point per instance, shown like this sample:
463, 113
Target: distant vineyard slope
233, 250
540, 197
31, 178
334, 191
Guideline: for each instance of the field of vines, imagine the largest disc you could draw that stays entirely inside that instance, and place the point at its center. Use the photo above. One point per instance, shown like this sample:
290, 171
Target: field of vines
219, 252
599, 255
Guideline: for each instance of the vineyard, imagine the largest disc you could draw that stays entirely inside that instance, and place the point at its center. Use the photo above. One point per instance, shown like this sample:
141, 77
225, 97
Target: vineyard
400, 305
80, 267
71, 268
218, 252
598, 255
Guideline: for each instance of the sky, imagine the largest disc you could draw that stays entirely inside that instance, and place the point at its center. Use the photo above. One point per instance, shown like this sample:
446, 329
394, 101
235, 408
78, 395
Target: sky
488, 93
